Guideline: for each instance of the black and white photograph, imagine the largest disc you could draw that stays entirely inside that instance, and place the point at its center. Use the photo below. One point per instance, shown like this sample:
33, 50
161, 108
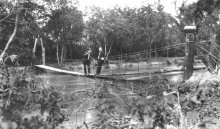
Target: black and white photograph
109, 64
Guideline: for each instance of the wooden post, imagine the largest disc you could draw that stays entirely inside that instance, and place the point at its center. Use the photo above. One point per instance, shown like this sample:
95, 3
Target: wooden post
190, 32
189, 57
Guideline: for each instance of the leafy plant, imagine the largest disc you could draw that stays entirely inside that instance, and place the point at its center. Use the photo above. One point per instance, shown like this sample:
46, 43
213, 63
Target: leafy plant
20, 92
149, 106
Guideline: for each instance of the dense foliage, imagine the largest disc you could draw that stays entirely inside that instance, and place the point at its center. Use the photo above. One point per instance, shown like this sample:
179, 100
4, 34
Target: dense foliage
21, 94
36, 20
128, 30
65, 35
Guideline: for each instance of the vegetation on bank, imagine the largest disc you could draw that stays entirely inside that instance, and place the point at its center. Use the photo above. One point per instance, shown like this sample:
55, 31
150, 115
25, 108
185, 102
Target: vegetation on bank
21, 94
189, 104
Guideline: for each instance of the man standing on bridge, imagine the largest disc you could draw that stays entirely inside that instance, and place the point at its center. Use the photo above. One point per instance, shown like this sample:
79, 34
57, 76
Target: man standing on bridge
87, 61
100, 61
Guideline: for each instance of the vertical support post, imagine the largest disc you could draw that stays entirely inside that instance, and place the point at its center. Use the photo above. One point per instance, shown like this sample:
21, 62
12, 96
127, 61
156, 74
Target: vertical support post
43, 52
189, 57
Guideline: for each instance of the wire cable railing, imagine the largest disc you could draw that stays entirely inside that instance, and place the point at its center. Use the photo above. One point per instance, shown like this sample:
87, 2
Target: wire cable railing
146, 51
132, 64
129, 62
115, 57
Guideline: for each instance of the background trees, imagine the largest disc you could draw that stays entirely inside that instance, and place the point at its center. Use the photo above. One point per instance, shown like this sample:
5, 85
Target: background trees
130, 30
65, 35
28, 26
65, 28
58, 22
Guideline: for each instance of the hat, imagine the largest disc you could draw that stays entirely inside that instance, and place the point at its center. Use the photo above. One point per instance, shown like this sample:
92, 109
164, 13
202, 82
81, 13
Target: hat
100, 48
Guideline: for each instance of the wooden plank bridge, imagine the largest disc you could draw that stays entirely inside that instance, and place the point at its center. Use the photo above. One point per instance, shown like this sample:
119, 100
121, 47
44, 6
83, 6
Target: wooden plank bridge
133, 76
103, 76
59, 70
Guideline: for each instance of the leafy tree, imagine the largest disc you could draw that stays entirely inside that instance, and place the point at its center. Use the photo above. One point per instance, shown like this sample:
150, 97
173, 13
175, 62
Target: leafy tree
32, 18
65, 27
27, 27
208, 6
129, 30
15, 13
102, 27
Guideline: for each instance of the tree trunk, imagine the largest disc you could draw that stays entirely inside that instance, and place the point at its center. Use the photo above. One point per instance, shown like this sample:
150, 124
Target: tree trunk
10, 39
43, 51
109, 50
64, 53
34, 51
105, 50
35, 44
70, 51
150, 42
72, 54
58, 59
150, 51
167, 49
61, 55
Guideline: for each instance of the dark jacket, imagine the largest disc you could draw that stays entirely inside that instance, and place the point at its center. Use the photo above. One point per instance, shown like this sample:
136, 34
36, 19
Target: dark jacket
87, 56
101, 55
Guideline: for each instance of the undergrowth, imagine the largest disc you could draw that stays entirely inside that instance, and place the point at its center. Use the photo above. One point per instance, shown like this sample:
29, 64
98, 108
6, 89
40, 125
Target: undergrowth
160, 105
20, 94
193, 104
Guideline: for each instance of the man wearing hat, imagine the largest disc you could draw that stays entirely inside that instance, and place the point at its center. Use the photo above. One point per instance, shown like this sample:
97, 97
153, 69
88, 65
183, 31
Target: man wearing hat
87, 61
100, 61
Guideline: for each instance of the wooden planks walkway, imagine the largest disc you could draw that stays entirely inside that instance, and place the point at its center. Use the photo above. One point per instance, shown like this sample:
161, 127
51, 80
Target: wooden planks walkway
102, 76
59, 70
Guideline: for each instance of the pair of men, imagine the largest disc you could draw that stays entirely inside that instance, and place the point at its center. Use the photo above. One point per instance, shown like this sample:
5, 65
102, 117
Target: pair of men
87, 61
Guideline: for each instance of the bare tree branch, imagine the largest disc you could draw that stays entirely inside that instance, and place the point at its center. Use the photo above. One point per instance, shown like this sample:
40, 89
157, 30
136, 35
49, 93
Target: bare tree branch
109, 50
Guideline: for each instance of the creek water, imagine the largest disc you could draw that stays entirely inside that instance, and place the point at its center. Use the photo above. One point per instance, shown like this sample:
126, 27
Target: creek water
69, 83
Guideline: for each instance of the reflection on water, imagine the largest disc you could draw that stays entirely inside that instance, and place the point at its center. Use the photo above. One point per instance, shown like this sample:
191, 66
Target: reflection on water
137, 67
68, 84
